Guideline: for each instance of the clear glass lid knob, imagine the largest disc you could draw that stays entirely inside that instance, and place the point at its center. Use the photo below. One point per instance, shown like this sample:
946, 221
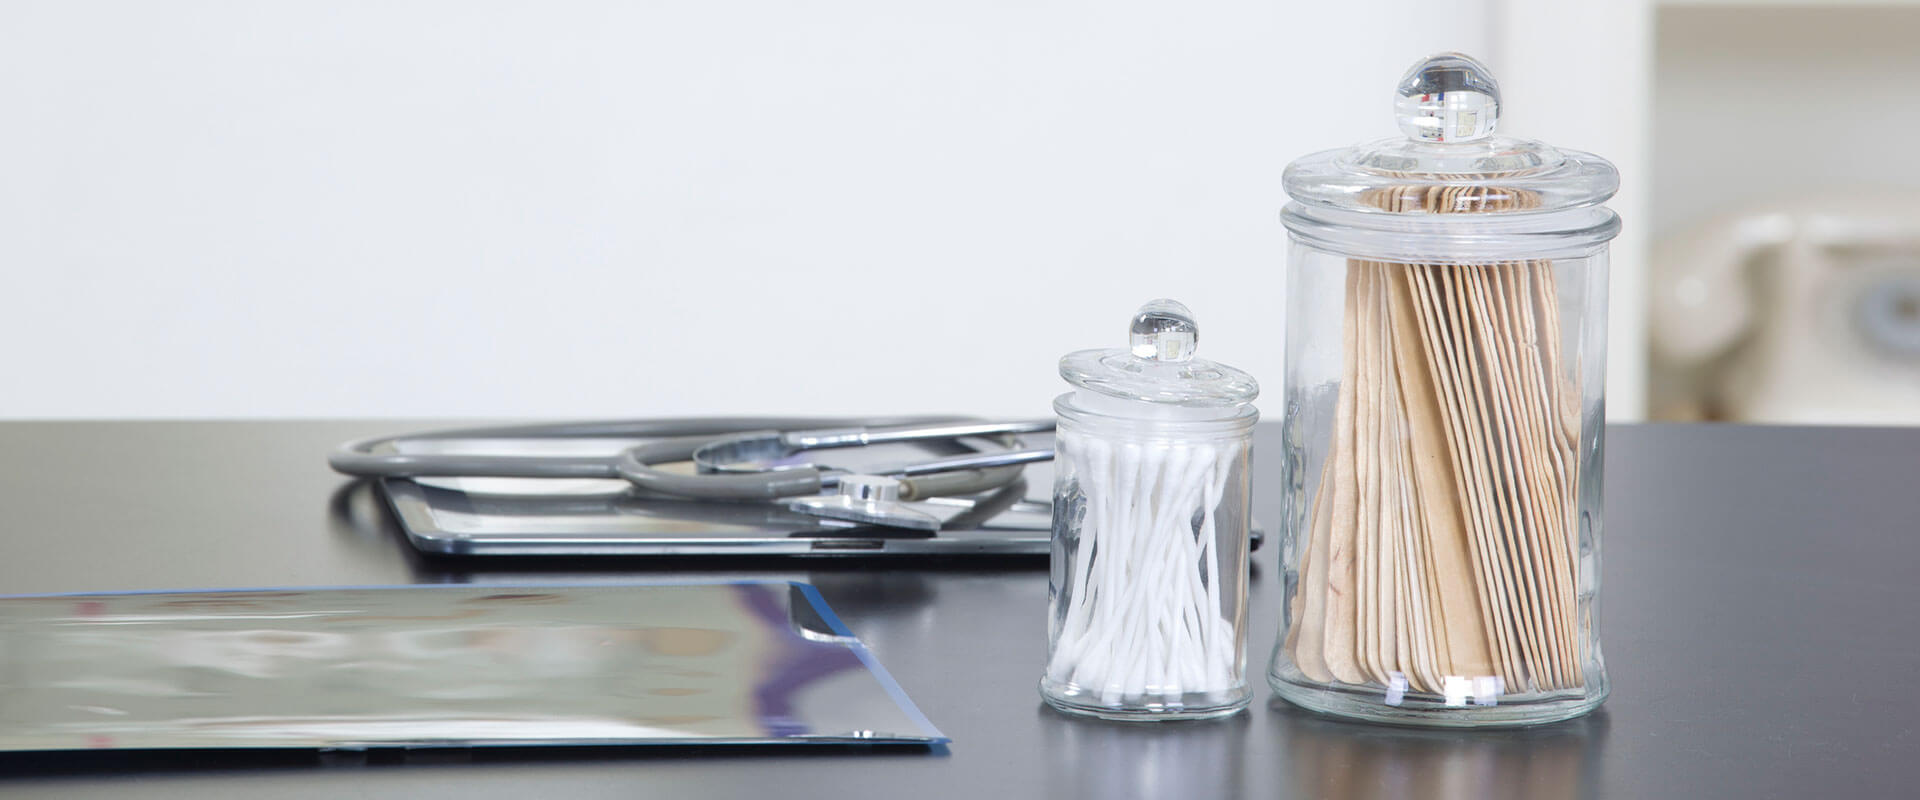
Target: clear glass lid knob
1448, 97
1164, 330
1158, 365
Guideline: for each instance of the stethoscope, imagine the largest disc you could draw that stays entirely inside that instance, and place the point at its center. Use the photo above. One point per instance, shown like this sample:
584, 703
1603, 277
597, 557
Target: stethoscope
751, 458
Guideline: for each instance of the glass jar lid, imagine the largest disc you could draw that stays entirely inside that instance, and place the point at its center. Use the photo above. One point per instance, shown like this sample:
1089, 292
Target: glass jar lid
1450, 160
1159, 366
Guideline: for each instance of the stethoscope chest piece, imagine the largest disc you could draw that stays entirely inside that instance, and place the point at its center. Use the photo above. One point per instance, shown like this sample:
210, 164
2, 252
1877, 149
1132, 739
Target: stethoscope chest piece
867, 500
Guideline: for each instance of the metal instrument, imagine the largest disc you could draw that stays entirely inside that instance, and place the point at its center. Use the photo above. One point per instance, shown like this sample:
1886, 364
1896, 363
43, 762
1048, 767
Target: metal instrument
740, 459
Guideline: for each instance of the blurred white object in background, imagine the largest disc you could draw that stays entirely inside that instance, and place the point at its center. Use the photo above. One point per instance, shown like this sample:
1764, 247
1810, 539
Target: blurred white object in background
1803, 311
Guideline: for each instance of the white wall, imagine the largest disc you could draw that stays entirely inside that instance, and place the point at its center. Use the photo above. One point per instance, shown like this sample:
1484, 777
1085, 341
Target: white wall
602, 208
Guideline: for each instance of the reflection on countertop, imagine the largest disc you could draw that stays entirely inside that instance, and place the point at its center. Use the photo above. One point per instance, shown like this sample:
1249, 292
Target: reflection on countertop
1330, 758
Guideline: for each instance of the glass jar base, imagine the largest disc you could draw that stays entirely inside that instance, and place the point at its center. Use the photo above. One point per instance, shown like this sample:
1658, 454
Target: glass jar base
1193, 705
1366, 704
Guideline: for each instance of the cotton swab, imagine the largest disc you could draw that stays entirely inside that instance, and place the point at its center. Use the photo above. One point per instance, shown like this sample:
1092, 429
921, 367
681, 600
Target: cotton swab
1145, 619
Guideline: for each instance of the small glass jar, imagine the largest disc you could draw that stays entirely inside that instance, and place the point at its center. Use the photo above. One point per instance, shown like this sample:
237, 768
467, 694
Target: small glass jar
1148, 599
1446, 334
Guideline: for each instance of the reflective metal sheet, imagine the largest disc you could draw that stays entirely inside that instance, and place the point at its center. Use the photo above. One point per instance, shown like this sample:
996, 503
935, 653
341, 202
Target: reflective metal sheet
749, 663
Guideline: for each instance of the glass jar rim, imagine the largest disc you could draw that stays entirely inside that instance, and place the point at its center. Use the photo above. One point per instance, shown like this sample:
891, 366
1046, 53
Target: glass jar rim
1351, 179
1239, 422
1456, 238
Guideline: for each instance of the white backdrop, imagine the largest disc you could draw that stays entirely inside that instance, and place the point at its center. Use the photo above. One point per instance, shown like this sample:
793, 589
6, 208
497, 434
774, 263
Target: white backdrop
607, 209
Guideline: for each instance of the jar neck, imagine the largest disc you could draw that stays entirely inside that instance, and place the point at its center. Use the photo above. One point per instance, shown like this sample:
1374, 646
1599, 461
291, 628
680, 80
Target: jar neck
1453, 238
1114, 417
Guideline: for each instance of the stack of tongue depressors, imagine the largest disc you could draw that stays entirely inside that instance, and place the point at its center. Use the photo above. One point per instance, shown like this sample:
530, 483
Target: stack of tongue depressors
1442, 539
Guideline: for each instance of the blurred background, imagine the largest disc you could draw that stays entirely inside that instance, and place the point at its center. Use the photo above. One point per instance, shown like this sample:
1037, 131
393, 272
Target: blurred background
217, 208
1784, 281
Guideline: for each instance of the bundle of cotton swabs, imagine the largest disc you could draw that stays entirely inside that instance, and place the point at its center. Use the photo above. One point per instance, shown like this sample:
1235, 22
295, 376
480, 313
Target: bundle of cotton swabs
1143, 616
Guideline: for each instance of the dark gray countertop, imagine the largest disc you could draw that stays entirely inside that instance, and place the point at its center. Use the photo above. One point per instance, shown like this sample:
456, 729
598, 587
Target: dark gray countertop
1761, 623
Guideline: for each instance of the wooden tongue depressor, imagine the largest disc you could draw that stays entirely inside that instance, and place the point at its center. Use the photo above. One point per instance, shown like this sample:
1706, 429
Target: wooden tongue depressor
1339, 635
1396, 645
1412, 573
1555, 464
1497, 536
1563, 400
1366, 554
1408, 649
1546, 343
1395, 571
1476, 505
1508, 520
1305, 635
1460, 626
1444, 492
1566, 396
1514, 467
1386, 613
1417, 651
1545, 473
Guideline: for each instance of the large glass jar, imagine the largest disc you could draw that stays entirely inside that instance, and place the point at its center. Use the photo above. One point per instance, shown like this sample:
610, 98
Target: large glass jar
1148, 599
1446, 330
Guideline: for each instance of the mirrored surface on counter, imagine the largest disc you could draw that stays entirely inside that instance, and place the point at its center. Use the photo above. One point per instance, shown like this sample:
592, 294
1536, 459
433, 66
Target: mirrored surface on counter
709, 663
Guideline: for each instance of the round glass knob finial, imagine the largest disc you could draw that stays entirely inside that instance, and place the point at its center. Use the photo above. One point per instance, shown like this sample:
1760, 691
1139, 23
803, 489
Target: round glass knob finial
1448, 97
1164, 330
